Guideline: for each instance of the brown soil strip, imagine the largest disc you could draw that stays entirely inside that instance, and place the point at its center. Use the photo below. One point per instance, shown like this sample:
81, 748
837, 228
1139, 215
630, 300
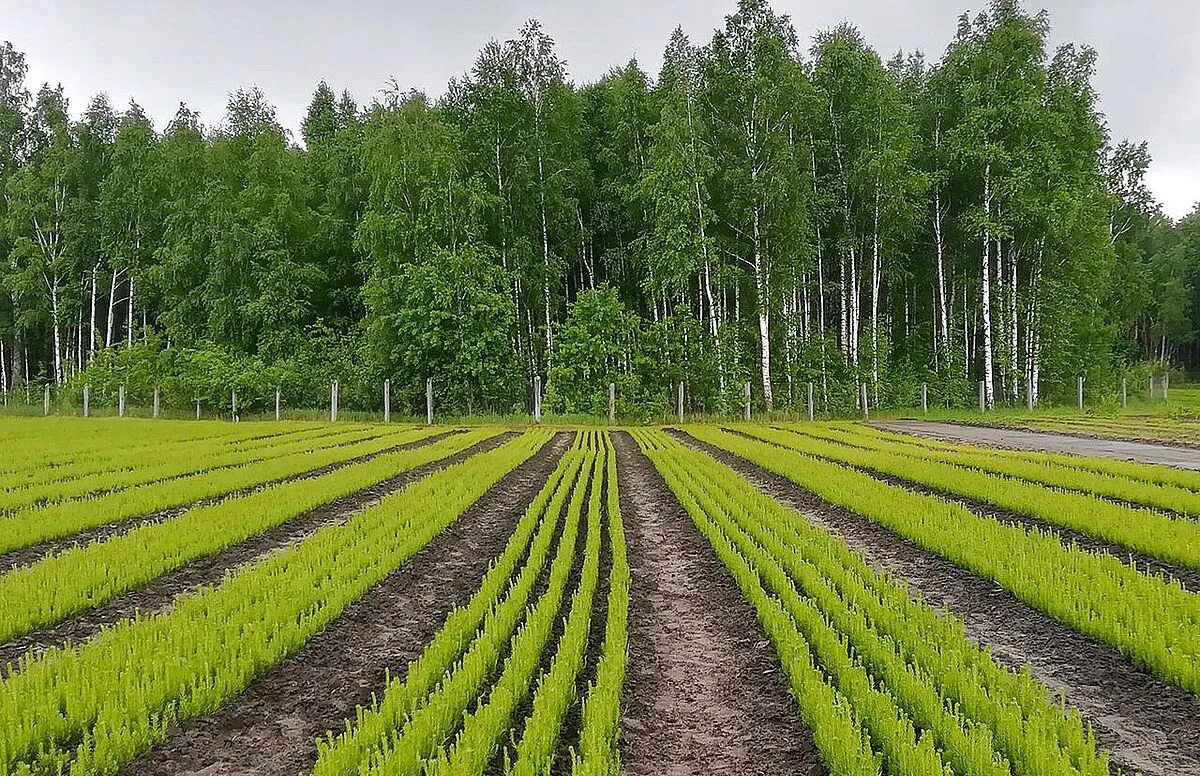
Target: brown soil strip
1147, 724
36, 552
705, 691
1179, 456
1146, 564
159, 594
271, 728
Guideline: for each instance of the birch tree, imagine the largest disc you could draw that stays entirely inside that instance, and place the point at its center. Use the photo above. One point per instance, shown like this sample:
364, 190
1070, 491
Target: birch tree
752, 86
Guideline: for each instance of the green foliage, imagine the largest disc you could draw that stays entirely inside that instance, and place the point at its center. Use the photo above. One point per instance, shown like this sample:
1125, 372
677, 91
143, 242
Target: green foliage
54, 520
98, 706
456, 701
885, 681
448, 316
763, 211
1150, 620
53, 589
595, 346
1019, 488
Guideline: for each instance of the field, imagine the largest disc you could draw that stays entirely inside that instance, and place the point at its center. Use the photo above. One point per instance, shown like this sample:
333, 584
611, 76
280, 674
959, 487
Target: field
187, 597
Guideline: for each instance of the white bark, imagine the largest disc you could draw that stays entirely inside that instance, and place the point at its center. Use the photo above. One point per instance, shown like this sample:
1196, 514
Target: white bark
989, 394
92, 326
876, 277
855, 316
843, 307
820, 282
941, 335
131, 322
112, 307
52, 284
1014, 361
764, 312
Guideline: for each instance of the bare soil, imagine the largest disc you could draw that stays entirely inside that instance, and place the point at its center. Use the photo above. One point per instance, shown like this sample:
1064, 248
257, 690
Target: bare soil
1180, 456
159, 594
705, 692
1147, 724
272, 727
33, 553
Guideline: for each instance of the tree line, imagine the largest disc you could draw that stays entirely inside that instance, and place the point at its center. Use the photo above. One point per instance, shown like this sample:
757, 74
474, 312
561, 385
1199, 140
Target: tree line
764, 210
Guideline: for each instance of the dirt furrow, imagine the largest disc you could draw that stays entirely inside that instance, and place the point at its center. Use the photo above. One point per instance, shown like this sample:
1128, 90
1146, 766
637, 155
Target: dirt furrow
36, 552
705, 691
271, 728
1148, 725
159, 594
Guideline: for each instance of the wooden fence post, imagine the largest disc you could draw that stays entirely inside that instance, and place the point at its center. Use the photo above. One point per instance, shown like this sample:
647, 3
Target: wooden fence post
1124, 394
387, 401
747, 408
925, 398
46, 400
156, 402
537, 398
429, 401
87, 400
612, 403
121, 400
1079, 390
982, 398
680, 408
278, 402
812, 407
233, 404
1166, 383
197, 409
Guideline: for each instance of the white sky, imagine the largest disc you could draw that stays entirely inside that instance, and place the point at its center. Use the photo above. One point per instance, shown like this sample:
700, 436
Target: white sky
197, 51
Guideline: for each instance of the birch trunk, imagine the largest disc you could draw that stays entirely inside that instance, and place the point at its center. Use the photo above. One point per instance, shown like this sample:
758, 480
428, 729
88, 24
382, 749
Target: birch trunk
18, 344
56, 324
989, 395
943, 318
843, 308
545, 251
820, 282
78, 363
92, 326
764, 311
112, 308
855, 307
876, 273
129, 324
1014, 363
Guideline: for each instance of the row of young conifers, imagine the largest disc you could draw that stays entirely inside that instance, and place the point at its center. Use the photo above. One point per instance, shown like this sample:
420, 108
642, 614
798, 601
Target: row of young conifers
92, 707
1152, 618
886, 683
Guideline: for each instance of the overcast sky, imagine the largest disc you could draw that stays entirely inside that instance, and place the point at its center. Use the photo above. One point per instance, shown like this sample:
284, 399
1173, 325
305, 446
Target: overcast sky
161, 53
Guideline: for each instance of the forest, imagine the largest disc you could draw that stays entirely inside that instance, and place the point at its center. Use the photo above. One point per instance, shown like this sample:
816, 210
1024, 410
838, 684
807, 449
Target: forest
769, 208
